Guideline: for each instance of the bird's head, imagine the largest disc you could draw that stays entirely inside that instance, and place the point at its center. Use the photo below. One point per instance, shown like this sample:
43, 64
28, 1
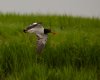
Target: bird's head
46, 31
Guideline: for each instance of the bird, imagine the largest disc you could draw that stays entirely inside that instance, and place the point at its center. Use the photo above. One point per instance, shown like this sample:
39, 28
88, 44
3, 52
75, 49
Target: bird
41, 33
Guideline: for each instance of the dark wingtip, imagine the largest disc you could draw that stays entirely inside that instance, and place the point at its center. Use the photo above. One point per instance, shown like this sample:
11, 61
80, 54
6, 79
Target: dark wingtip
24, 31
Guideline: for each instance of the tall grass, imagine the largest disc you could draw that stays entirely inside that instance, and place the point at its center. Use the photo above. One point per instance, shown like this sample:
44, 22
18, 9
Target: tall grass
72, 54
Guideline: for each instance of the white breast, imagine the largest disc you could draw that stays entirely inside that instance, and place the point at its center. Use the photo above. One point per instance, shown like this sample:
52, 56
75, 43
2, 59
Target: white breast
39, 30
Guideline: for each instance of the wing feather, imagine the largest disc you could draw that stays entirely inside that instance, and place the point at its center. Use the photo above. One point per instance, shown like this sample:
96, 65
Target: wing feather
38, 25
41, 43
36, 28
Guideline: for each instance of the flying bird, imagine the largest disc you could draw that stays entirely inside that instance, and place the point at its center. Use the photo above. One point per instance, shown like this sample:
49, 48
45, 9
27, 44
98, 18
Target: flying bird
41, 33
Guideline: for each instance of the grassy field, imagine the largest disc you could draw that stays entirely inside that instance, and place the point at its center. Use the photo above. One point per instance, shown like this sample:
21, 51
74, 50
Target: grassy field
72, 54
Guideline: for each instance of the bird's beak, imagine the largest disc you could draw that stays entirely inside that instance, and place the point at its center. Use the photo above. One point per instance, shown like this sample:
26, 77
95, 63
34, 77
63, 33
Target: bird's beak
54, 33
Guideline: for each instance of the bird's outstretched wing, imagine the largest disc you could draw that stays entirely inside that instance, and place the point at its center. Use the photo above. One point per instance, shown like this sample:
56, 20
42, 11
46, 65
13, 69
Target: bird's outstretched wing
36, 28
35, 25
41, 43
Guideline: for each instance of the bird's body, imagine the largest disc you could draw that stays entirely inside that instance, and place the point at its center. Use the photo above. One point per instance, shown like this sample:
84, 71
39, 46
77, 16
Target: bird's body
41, 33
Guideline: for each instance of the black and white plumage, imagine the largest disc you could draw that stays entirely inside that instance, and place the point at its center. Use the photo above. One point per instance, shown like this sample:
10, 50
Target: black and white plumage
41, 33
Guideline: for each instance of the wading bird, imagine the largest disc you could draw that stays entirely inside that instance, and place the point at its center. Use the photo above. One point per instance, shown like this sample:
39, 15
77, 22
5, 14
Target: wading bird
41, 33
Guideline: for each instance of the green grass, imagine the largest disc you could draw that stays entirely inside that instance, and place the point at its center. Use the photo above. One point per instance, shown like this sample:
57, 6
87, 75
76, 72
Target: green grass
72, 54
